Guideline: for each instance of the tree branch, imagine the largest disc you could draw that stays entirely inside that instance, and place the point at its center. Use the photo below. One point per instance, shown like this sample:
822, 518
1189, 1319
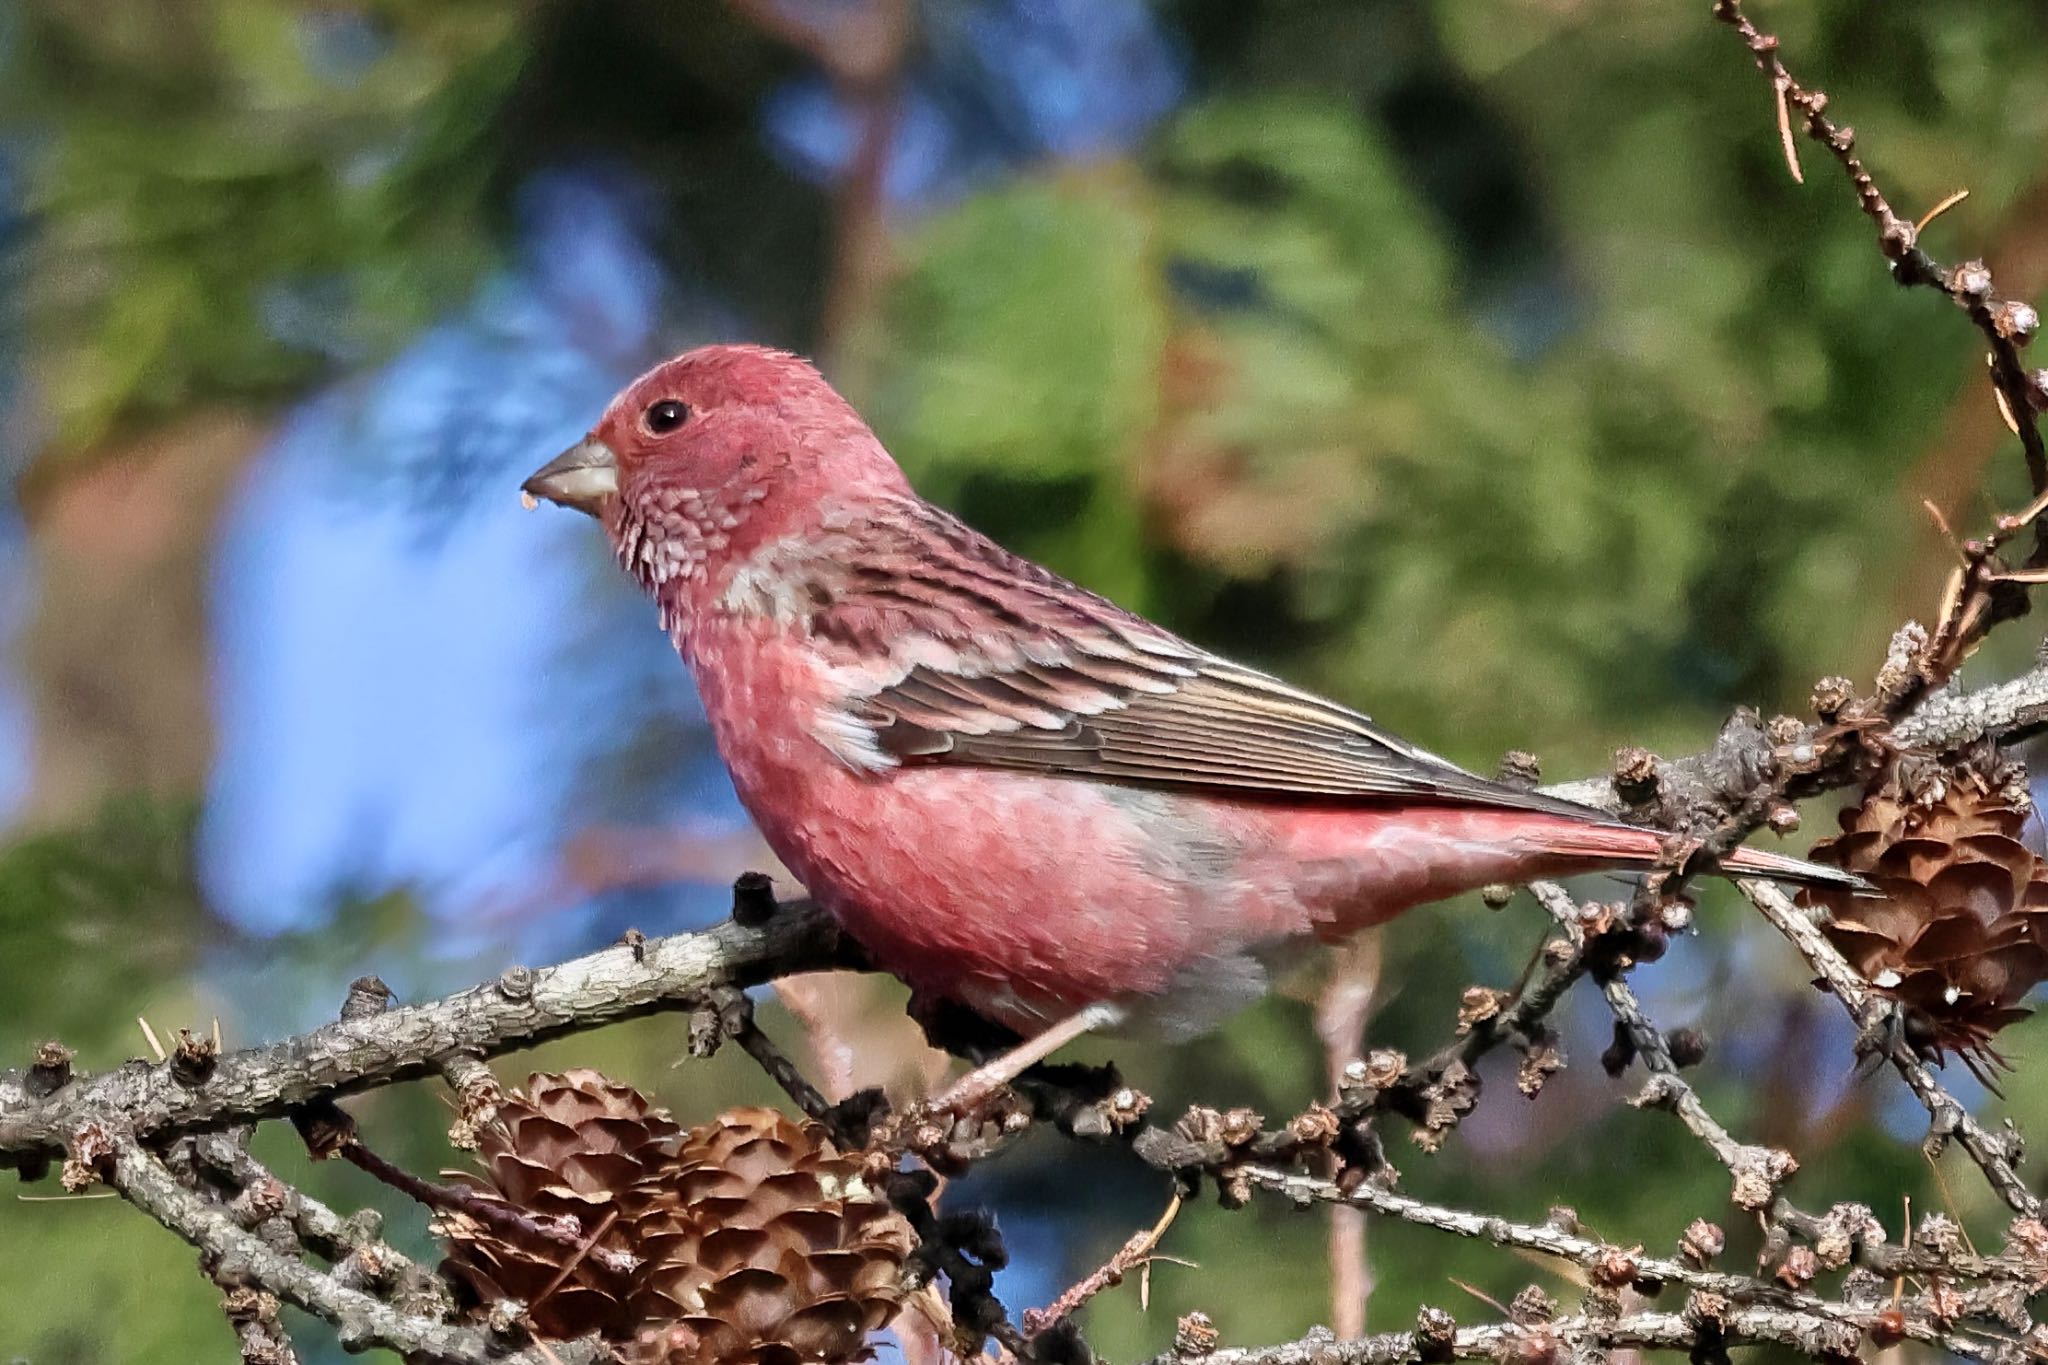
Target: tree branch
1941, 721
519, 1009
1608, 1265
1755, 1171
360, 1320
1704, 1325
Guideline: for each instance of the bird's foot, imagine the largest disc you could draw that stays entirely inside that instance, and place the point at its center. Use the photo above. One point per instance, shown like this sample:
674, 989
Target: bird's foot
975, 1088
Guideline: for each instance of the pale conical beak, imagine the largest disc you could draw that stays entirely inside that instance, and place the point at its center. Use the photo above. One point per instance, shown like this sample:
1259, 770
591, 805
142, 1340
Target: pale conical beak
582, 477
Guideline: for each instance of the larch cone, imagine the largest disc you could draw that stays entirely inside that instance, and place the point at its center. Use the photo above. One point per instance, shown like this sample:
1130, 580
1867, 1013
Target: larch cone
1959, 933
765, 1246
749, 1240
571, 1146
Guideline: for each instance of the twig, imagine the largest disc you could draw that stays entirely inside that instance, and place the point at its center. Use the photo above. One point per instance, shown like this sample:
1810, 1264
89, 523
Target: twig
477, 1097
1132, 1254
1705, 1325
1756, 1171
728, 1013
509, 1222
1614, 1266
1982, 593
1343, 1010
808, 1000
1940, 721
575, 1258
252, 1313
362, 1259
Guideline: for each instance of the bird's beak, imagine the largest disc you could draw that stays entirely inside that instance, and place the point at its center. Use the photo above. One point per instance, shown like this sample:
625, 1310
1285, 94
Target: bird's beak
582, 477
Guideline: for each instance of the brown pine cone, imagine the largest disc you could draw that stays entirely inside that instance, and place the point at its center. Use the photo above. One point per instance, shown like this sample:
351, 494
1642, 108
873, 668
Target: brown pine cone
1960, 932
570, 1149
763, 1246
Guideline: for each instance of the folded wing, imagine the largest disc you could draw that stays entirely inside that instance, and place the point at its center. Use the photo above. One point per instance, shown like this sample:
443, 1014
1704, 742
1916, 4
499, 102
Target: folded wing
965, 653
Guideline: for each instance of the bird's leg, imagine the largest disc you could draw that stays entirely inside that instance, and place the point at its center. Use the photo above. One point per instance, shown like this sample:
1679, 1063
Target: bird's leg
974, 1088
953, 1027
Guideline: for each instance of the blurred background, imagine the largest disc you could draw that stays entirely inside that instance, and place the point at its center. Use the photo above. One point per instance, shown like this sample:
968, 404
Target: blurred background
1474, 361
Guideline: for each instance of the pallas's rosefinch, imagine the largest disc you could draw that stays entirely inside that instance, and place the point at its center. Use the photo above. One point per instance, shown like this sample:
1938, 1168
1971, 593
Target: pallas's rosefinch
1016, 795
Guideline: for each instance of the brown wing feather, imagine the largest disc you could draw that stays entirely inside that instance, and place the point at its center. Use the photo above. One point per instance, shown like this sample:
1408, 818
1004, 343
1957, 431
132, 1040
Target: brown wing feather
1039, 675
1201, 736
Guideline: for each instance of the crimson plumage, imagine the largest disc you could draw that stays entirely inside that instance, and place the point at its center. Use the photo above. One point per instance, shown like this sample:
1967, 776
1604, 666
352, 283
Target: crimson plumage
1015, 794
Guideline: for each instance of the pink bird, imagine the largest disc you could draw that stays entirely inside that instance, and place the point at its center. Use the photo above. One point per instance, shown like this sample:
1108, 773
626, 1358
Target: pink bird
1014, 794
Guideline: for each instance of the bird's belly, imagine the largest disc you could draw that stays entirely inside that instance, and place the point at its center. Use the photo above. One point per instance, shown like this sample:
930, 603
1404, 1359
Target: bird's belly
1024, 897
1028, 897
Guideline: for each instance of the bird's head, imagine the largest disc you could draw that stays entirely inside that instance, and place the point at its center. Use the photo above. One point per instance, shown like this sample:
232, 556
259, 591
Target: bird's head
707, 457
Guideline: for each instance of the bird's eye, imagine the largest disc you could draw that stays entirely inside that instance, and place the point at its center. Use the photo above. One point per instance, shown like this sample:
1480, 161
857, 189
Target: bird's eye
663, 417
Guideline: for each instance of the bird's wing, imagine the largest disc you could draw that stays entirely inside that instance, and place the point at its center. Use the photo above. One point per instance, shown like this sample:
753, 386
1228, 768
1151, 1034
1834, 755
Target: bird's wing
968, 654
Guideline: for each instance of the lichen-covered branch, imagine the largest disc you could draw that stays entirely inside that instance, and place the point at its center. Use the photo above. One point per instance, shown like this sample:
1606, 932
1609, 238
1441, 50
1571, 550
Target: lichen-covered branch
1746, 752
520, 1008
1755, 1171
1704, 1327
235, 1255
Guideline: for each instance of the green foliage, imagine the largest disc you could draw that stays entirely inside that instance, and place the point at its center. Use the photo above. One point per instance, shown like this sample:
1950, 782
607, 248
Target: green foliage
1021, 351
222, 207
98, 925
91, 916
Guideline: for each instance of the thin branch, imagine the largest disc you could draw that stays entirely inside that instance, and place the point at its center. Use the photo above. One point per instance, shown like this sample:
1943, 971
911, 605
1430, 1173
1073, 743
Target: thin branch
477, 1097
360, 1320
728, 1013
1344, 1008
1756, 1171
1981, 594
1605, 1262
1705, 1325
252, 1313
1134, 1253
362, 1259
1940, 721
535, 1232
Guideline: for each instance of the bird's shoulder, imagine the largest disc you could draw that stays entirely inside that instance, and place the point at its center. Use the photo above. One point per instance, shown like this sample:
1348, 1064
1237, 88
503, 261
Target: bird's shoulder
883, 573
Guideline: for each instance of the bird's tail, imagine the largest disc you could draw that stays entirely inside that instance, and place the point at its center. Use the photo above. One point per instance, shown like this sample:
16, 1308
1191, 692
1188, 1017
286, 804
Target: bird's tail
1778, 867
1632, 846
